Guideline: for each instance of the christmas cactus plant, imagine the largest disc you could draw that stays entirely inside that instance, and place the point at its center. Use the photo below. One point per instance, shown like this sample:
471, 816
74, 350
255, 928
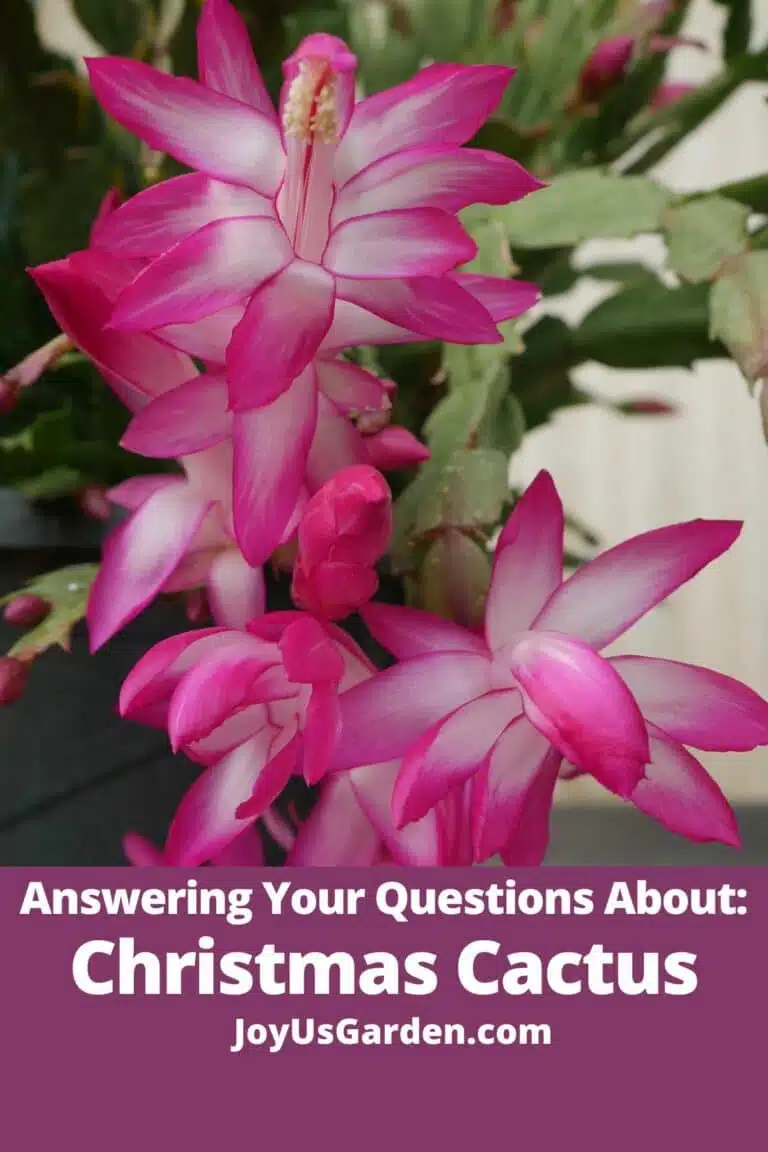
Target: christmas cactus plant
296, 344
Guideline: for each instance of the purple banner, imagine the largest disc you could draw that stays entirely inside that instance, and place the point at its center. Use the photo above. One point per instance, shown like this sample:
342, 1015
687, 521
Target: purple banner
454, 1009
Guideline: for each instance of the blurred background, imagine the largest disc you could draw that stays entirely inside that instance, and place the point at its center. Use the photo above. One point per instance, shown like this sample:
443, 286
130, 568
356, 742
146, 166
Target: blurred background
73, 778
709, 460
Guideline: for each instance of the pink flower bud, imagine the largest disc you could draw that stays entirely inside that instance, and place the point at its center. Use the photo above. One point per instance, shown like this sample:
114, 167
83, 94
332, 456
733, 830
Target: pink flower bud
606, 67
196, 606
94, 502
26, 610
345, 529
669, 93
13, 679
334, 590
348, 520
9, 394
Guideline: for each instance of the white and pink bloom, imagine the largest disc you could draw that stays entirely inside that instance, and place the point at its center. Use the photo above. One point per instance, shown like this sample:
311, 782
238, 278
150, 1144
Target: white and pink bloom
256, 708
181, 533
343, 533
292, 220
504, 711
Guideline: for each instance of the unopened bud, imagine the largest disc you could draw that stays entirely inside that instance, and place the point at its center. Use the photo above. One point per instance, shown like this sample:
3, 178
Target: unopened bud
196, 604
605, 68
14, 674
9, 395
94, 502
26, 610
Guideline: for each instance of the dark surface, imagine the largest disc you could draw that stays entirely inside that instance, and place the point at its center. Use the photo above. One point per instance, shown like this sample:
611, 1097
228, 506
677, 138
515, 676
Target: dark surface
74, 777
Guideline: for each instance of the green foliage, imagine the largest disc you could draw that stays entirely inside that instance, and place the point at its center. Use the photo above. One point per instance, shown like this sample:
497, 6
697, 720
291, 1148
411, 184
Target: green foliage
583, 206
67, 592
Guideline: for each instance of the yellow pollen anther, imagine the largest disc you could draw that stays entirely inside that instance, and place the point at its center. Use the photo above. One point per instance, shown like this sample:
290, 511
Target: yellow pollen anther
311, 108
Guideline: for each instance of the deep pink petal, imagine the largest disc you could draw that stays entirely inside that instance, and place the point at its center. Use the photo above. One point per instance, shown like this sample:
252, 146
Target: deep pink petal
236, 591
409, 632
438, 177
433, 307
271, 447
337, 831
441, 104
222, 137
221, 684
395, 447
309, 653
696, 706
189, 419
580, 703
320, 731
412, 242
230, 734
111, 202
271, 781
135, 365
139, 556
141, 853
246, 851
606, 596
279, 334
677, 792
163, 214
205, 821
134, 491
527, 563
351, 388
530, 840
500, 791
503, 299
415, 845
449, 753
154, 678
226, 62
213, 268
382, 717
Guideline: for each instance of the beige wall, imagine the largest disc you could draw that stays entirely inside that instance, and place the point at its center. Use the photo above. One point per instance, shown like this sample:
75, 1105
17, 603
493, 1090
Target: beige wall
629, 475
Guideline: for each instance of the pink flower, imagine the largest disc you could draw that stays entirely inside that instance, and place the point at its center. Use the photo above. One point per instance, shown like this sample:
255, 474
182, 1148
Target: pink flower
343, 532
177, 537
255, 707
503, 712
351, 825
180, 412
179, 534
293, 220
606, 67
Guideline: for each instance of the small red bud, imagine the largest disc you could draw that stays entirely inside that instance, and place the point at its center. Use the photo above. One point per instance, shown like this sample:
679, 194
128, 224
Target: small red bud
26, 610
14, 674
197, 606
9, 395
94, 502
